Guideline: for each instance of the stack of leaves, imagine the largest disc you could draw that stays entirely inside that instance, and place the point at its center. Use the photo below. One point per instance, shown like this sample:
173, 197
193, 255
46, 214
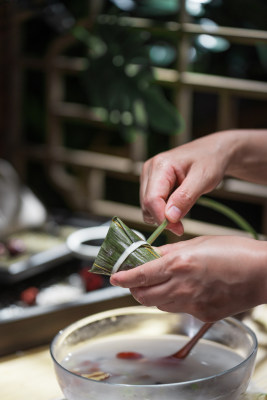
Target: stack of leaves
121, 250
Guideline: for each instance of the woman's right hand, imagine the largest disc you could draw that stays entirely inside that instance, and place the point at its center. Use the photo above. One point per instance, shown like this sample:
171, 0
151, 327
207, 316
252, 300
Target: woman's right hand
171, 182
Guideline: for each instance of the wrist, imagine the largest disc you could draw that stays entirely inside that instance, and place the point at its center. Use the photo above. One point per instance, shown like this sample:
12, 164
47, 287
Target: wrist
227, 148
248, 154
236, 147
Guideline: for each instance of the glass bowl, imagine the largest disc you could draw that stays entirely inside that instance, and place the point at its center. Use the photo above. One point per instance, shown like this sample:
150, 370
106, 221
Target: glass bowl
229, 335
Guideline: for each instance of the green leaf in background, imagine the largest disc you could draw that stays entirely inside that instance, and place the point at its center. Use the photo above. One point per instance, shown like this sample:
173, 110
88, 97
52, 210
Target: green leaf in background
158, 7
230, 213
119, 78
163, 115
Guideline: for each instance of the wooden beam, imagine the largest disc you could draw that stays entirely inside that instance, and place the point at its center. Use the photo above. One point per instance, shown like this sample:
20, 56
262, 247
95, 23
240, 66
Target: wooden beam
208, 83
84, 159
174, 29
235, 35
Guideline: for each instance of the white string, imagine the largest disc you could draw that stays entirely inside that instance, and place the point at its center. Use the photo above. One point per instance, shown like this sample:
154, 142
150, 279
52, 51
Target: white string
125, 254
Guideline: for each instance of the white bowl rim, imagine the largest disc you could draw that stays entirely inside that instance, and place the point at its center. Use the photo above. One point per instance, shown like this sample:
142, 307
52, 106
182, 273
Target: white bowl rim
75, 241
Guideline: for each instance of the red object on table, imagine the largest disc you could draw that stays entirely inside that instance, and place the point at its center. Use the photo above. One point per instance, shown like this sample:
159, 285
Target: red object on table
28, 295
91, 281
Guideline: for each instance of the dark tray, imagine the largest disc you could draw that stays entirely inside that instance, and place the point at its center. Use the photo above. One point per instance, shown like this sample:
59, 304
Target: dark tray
36, 326
45, 248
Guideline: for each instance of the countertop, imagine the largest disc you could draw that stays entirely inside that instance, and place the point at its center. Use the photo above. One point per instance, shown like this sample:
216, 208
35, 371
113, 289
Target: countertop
29, 375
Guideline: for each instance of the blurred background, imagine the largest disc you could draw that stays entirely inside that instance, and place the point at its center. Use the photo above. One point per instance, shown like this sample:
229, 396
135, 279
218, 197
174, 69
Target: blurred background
91, 89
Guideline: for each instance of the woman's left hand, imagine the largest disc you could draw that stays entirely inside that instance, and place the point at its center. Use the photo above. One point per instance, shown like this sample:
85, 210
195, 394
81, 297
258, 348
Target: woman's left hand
210, 277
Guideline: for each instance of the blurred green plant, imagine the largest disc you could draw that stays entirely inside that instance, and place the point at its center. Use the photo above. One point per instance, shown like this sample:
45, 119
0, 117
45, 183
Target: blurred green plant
120, 82
228, 212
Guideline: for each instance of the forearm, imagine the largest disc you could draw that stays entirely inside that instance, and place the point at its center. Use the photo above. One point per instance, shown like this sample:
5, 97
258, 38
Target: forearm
248, 154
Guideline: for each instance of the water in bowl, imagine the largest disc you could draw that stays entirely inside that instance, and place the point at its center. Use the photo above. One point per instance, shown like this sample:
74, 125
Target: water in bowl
145, 361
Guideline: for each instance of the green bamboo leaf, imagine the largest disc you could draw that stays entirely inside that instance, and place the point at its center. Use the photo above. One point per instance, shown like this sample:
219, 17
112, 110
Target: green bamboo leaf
119, 77
163, 116
119, 238
228, 212
157, 232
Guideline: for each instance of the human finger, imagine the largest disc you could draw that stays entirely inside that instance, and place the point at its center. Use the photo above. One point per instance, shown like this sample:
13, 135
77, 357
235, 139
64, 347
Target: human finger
155, 295
149, 274
157, 182
177, 229
147, 216
196, 183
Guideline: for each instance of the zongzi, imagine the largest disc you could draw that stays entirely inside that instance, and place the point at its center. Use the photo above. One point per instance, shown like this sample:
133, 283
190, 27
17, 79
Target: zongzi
121, 250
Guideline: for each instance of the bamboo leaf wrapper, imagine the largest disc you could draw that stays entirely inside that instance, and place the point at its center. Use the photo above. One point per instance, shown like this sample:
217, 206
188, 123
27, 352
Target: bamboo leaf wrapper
119, 238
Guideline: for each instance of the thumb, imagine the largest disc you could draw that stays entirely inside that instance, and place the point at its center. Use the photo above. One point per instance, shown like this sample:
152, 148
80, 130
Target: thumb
180, 202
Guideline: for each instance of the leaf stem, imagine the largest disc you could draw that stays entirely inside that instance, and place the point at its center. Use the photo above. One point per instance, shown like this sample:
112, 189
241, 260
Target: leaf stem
223, 209
228, 212
157, 232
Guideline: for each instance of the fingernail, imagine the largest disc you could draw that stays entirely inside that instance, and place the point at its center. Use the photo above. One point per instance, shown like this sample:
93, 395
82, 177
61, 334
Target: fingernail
173, 214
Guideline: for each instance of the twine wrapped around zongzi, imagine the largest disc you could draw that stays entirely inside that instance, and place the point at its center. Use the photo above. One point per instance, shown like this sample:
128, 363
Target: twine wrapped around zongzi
121, 250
